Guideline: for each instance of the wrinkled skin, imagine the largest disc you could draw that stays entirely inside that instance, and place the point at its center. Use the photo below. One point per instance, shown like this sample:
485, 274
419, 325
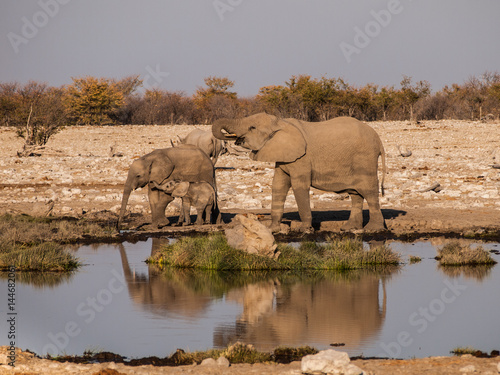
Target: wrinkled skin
201, 195
186, 163
339, 155
212, 146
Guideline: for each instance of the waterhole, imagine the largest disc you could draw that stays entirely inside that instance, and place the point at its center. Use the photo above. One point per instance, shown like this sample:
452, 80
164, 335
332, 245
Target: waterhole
117, 303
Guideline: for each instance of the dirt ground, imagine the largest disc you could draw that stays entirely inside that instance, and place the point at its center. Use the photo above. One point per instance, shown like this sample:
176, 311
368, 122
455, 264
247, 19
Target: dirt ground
81, 171
27, 363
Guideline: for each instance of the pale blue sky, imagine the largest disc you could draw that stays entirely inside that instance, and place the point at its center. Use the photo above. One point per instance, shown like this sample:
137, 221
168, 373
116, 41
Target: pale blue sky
174, 44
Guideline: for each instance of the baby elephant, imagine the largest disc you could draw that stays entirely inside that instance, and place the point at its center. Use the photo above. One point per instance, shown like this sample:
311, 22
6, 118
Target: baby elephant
201, 195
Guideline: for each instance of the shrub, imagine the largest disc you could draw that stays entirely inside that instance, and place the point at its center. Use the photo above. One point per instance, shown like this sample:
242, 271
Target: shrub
456, 254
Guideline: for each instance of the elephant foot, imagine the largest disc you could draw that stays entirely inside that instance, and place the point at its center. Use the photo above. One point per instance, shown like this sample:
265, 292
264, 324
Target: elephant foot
351, 227
160, 224
275, 227
374, 227
305, 229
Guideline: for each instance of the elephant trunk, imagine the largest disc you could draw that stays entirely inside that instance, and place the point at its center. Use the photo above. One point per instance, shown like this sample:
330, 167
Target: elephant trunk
230, 126
126, 194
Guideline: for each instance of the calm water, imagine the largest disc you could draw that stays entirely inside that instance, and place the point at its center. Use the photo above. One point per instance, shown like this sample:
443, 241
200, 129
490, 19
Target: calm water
117, 303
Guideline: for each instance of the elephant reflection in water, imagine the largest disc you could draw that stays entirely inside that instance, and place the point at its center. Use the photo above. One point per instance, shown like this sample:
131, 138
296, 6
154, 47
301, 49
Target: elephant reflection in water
161, 295
343, 308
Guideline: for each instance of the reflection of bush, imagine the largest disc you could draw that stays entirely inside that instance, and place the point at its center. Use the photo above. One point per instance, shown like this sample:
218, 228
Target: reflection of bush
213, 252
41, 279
218, 283
478, 273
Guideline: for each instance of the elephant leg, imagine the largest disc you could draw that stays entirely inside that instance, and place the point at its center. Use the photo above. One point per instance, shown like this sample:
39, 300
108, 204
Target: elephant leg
158, 202
377, 222
208, 214
281, 185
186, 208
356, 217
182, 217
302, 198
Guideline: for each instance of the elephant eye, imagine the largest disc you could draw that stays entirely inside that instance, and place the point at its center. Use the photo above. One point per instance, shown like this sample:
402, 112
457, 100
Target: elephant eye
251, 127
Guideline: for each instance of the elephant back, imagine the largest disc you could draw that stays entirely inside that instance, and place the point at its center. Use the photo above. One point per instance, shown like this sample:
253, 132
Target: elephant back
191, 164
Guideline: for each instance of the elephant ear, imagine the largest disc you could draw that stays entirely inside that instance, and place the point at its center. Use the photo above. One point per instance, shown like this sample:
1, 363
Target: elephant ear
181, 189
161, 168
286, 145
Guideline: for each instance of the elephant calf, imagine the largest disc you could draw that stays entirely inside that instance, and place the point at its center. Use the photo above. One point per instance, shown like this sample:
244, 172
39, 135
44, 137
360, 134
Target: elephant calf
201, 195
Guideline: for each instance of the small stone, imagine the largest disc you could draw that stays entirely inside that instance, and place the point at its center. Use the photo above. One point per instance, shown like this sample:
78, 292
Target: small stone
469, 368
208, 362
223, 361
329, 362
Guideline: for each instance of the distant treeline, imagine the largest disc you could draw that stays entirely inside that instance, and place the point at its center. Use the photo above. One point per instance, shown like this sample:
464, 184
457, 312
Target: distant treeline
38, 110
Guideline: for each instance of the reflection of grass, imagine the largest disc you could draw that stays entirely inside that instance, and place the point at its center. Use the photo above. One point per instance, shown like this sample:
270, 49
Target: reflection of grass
456, 254
216, 283
213, 252
479, 272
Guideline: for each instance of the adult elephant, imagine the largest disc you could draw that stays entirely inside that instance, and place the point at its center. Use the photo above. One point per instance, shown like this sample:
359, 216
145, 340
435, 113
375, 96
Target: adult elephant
339, 155
212, 146
185, 163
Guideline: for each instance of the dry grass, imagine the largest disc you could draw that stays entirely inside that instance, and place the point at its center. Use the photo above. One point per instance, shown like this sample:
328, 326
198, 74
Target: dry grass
34, 244
34, 230
456, 254
213, 252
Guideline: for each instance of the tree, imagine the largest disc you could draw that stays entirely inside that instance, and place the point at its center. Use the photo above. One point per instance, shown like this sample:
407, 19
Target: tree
411, 93
36, 111
93, 100
384, 99
210, 99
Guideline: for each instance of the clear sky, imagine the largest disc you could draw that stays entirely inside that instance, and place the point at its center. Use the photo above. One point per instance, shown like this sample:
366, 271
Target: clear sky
174, 44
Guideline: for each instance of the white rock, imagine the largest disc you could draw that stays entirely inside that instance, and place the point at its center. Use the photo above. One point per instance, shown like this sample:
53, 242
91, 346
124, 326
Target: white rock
223, 361
469, 368
329, 362
208, 362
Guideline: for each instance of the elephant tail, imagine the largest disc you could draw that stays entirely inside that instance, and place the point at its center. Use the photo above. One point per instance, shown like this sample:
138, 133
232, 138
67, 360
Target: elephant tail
384, 169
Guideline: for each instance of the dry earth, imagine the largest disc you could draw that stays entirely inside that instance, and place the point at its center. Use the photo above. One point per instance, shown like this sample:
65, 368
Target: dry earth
77, 175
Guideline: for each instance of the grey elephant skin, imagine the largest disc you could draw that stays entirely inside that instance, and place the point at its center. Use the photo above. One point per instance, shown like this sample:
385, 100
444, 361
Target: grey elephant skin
201, 195
205, 140
339, 155
186, 163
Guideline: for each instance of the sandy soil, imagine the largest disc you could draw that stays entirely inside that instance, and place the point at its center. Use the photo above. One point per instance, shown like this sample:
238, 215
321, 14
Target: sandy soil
27, 363
77, 175
81, 172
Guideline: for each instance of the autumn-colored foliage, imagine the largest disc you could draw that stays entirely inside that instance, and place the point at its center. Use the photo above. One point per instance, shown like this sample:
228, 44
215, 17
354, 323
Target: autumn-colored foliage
38, 110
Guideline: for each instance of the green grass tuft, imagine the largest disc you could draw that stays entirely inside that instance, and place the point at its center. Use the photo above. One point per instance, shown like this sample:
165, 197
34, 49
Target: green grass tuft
456, 254
415, 259
48, 256
212, 252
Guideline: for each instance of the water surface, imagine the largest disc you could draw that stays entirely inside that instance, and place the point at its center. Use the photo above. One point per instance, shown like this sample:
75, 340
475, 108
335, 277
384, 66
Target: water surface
117, 303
